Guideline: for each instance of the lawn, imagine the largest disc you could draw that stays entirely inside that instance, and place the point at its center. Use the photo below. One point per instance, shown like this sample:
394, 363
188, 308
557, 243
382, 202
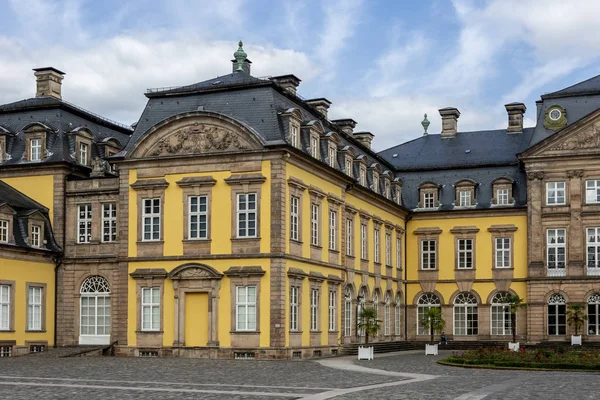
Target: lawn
551, 358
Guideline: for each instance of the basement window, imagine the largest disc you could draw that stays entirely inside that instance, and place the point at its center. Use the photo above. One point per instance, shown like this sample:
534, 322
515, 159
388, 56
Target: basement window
149, 353
243, 355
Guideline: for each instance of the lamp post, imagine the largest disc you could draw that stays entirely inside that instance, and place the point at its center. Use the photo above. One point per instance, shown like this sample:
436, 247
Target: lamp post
359, 300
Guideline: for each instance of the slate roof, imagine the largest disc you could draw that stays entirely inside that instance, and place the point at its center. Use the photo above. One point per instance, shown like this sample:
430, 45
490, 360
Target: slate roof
589, 86
24, 207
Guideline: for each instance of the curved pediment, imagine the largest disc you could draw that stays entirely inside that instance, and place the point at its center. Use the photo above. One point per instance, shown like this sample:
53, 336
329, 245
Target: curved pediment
195, 271
197, 133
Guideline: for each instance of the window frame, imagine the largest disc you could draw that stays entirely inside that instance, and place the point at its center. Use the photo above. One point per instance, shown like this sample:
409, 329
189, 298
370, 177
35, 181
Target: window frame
388, 248
36, 235
84, 223
35, 308
152, 306
247, 212
294, 218
553, 200
462, 307
314, 309
7, 305
502, 251
314, 146
35, 148
557, 310
109, 223
151, 218
245, 305
332, 230
198, 214
595, 245
429, 254
294, 308
315, 228
349, 237
332, 310
4, 231
595, 189
364, 251
377, 245
502, 199
555, 247
84, 150
465, 256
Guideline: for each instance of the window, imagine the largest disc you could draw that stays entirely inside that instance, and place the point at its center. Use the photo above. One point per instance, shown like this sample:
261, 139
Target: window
465, 253
386, 316
428, 200
428, 254
349, 237
294, 308
151, 309
464, 198
360, 306
314, 309
465, 314
348, 312
387, 190
245, 308
556, 250
151, 219
294, 217
3, 231
593, 249
593, 314
83, 153
592, 191
502, 252
332, 154
376, 304
398, 253
94, 310
397, 310
376, 245
332, 310
375, 182
332, 230
314, 224
500, 311
388, 249
555, 193
35, 149
36, 236
246, 215
198, 217
34, 309
363, 241
84, 222
502, 197
362, 176
557, 320
109, 222
425, 302
314, 146
4, 307
5, 351
349, 167
294, 135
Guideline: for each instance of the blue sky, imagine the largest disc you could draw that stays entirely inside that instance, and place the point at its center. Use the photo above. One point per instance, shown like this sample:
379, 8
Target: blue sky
382, 63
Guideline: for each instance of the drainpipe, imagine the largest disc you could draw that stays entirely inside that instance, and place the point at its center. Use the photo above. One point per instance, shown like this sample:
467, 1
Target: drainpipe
405, 273
57, 263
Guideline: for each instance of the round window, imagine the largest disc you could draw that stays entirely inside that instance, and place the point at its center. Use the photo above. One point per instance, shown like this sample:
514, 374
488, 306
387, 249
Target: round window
555, 114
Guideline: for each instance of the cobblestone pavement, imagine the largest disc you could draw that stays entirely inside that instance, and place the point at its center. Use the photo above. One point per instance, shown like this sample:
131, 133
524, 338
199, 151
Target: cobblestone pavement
409, 375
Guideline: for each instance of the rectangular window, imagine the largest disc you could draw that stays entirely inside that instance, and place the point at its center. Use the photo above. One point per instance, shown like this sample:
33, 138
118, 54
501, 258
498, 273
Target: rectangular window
4, 307
388, 192
34, 309
332, 310
555, 193
556, 249
397, 318
151, 309
398, 253
363, 241
84, 222
592, 191
388, 249
362, 176
36, 236
593, 247
294, 135
35, 149
245, 308
502, 197
428, 254
377, 245
83, 153
347, 316
502, 252
386, 319
5, 351
428, 200
314, 224
349, 237
294, 308
109, 222
3, 231
375, 182
294, 217
464, 198
332, 230
314, 146
332, 153
465, 253
349, 167
246, 215
314, 309
501, 319
151, 219
198, 217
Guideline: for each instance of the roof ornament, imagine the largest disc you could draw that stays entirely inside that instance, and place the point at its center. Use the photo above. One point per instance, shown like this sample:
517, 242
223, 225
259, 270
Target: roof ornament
240, 56
425, 124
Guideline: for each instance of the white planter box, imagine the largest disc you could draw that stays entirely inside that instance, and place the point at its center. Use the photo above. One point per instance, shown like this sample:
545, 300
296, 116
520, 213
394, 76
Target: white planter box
513, 346
365, 353
431, 349
575, 340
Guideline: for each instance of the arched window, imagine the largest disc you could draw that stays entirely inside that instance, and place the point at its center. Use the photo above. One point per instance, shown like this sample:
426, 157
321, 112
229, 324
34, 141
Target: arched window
386, 315
95, 311
359, 307
465, 314
500, 311
557, 320
348, 312
397, 316
376, 303
425, 302
594, 314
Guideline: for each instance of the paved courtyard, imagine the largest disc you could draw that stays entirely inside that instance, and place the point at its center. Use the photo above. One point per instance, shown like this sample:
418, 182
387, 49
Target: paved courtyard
408, 375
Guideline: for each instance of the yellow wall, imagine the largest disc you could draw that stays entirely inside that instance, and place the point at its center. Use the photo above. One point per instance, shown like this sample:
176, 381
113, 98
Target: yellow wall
196, 319
39, 188
23, 272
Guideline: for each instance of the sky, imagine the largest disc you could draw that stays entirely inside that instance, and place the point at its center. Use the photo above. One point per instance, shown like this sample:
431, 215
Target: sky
382, 63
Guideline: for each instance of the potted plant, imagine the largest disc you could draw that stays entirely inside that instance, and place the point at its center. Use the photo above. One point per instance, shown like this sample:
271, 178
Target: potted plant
432, 321
514, 303
576, 319
369, 324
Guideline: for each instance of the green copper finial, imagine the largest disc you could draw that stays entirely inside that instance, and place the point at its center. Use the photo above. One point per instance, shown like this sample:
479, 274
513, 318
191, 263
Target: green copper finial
425, 124
240, 56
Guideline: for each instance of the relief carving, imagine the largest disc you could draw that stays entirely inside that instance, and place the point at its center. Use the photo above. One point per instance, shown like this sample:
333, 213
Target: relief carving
535, 175
195, 273
587, 138
577, 173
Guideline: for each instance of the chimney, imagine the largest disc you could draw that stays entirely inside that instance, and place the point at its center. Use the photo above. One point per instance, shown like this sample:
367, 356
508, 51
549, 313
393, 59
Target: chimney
49, 82
321, 105
347, 125
240, 62
515, 117
365, 138
449, 121
289, 83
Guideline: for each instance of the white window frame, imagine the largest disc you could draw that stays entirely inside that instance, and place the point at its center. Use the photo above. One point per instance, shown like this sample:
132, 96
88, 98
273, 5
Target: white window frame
349, 164
332, 156
109, 222
464, 197
377, 245
35, 149
592, 245
294, 135
4, 231
332, 230
347, 313
84, 223
314, 146
465, 313
386, 316
332, 310
152, 322
503, 249
557, 310
294, 217
556, 193
363, 241
593, 314
243, 323
245, 214
388, 249
398, 253
349, 237
314, 310
5, 307
554, 247
376, 182
465, 254
397, 316
34, 308
362, 175
294, 306
151, 217
426, 301
500, 324
201, 218
592, 192
314, 224
502, 197
428, 257
83, 153
36, 235
428, 200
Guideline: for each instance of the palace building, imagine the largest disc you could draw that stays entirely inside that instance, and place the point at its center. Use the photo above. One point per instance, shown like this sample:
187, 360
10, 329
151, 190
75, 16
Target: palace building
236, 220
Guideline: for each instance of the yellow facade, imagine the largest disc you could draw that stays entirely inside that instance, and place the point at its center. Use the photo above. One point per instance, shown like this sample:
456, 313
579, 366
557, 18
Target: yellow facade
39, 187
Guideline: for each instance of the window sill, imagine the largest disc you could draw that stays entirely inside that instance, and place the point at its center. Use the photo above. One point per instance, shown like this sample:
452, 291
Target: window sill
465, 269
428, 269
241, 239
334, 251
150, 242
315, 332
377, 263
244, 332
316, 246
7, 331
502, 268
364, 259
296, 241
206, 240
32, 331
295, 332
148, 332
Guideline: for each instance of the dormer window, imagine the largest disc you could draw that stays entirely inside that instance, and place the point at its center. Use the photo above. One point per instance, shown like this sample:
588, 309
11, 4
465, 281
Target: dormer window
332, 156
375, 182
428, 200
3, 231
464, 198
502, 192
294, 136
83, 153
35, 150
36, 235
429, 195
349, 167
362, 177
465, 193
314, 146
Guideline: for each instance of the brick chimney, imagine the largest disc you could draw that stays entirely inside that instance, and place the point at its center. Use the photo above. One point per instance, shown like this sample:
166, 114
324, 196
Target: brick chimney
321, 105
449, 121
347, 125
515, 117
49, 82
289, 83
364, 138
